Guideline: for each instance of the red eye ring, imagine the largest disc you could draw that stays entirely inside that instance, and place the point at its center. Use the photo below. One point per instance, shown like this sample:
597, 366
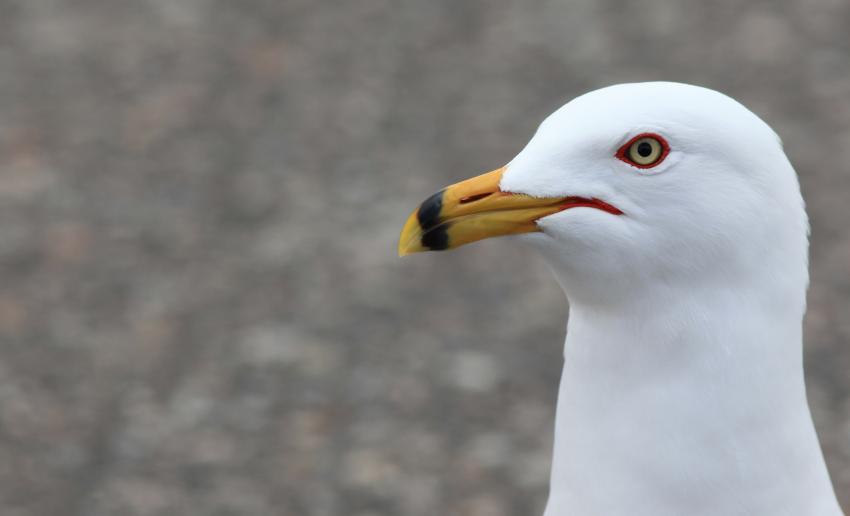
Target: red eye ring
623, 154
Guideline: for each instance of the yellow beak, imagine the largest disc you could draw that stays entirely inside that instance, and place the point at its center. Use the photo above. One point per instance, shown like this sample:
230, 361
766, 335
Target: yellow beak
476, 209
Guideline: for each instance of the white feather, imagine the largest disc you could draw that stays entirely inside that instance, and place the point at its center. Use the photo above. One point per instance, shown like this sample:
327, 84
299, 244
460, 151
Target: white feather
682, 391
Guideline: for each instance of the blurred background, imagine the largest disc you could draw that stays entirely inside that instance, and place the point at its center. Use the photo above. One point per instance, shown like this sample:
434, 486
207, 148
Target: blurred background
201, 307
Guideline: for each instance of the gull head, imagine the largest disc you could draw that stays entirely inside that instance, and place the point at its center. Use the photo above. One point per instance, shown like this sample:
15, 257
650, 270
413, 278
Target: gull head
635, 185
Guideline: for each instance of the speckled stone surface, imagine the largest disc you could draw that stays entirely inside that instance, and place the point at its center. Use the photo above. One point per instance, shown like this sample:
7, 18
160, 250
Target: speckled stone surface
201, 310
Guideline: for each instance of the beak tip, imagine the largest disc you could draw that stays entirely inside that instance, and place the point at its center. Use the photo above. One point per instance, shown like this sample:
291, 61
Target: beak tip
409, 239
406, 250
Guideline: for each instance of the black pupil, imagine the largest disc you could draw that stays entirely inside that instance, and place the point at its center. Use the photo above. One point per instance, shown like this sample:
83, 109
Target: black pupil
644, 149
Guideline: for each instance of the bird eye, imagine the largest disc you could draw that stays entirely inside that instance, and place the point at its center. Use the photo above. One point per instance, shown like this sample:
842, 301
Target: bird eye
644, 150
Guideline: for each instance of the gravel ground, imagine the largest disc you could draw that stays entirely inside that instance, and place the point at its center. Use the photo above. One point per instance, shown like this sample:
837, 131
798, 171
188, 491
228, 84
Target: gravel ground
201, 309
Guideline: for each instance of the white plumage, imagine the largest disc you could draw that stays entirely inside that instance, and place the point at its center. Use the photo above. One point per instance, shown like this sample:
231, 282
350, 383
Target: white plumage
682, 391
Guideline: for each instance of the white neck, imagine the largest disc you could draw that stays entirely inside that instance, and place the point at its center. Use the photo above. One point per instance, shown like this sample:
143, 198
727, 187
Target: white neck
690, 402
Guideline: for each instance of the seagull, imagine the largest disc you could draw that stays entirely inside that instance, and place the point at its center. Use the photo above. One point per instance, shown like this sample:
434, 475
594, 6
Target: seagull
673, 222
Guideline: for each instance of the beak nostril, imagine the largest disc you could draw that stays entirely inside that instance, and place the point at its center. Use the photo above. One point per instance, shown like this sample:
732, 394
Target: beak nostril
473, 198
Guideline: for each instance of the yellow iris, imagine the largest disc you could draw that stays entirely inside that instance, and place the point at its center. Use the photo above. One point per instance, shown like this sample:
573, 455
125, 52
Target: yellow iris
645, 151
